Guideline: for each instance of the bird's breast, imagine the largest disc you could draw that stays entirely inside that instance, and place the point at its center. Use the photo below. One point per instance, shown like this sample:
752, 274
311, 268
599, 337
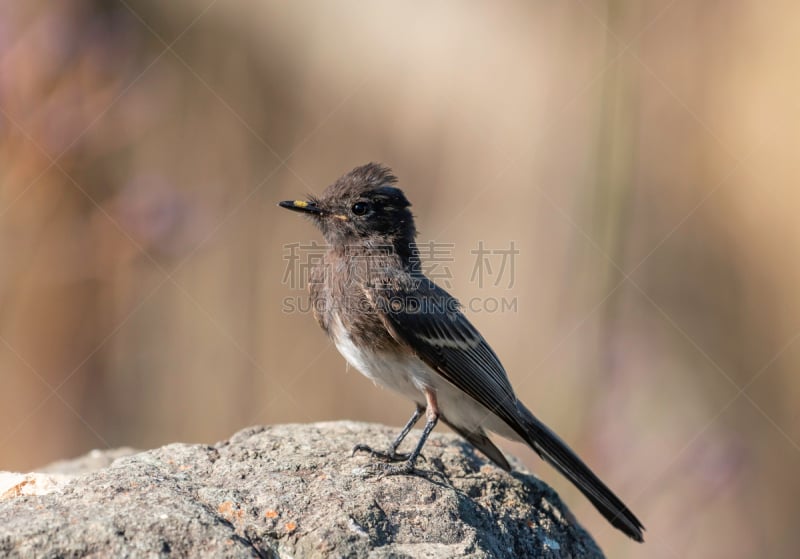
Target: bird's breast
391, 367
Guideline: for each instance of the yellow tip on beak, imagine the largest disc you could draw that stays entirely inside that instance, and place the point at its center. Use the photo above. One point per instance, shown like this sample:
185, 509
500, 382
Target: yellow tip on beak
301, 206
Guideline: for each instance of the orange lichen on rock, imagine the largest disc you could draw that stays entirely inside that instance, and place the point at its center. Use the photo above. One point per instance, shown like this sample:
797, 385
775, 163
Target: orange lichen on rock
229, 511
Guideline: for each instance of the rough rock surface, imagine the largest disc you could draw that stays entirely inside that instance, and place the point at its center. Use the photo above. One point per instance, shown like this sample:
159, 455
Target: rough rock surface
288, 491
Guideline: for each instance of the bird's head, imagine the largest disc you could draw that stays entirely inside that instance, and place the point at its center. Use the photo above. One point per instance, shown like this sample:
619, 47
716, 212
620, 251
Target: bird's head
363, 205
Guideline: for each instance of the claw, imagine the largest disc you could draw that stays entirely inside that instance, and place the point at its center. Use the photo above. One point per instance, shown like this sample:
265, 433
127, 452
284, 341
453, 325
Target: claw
390, 456
360, 448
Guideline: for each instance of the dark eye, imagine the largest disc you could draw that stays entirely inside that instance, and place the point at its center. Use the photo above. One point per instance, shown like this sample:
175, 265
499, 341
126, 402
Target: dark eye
360, 208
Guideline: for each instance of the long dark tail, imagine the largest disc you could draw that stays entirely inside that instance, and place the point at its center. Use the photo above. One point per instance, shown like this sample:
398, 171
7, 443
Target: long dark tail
556, 452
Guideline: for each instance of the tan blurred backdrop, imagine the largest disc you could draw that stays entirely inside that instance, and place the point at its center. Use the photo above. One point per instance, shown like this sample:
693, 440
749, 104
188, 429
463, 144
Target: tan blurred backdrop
642, 157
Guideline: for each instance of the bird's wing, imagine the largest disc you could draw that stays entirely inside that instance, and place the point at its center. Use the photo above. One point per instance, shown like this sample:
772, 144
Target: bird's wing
428, 320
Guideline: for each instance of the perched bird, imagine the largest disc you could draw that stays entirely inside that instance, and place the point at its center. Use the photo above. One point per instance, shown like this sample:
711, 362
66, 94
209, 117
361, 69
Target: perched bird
400, 329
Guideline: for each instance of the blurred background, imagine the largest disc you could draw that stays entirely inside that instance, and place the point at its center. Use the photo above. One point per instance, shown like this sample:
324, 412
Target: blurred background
637, 161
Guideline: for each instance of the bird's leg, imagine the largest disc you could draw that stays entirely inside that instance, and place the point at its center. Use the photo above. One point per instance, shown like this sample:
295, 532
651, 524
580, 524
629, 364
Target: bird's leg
432, 414
392, 455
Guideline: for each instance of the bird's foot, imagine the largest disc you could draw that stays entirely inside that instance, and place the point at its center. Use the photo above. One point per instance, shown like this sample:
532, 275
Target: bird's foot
389, 456
382, 469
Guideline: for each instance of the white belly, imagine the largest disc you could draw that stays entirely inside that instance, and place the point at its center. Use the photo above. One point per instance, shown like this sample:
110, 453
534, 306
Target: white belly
410, 376
391, 370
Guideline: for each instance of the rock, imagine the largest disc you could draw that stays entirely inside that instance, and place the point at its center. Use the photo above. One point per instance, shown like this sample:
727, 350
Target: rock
95, 460
288, 491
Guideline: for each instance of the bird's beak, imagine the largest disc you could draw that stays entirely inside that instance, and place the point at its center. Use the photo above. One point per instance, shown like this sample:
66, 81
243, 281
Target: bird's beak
301, 206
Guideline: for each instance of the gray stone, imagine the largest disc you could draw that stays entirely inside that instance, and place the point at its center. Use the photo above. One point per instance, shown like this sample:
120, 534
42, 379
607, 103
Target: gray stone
288, 491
